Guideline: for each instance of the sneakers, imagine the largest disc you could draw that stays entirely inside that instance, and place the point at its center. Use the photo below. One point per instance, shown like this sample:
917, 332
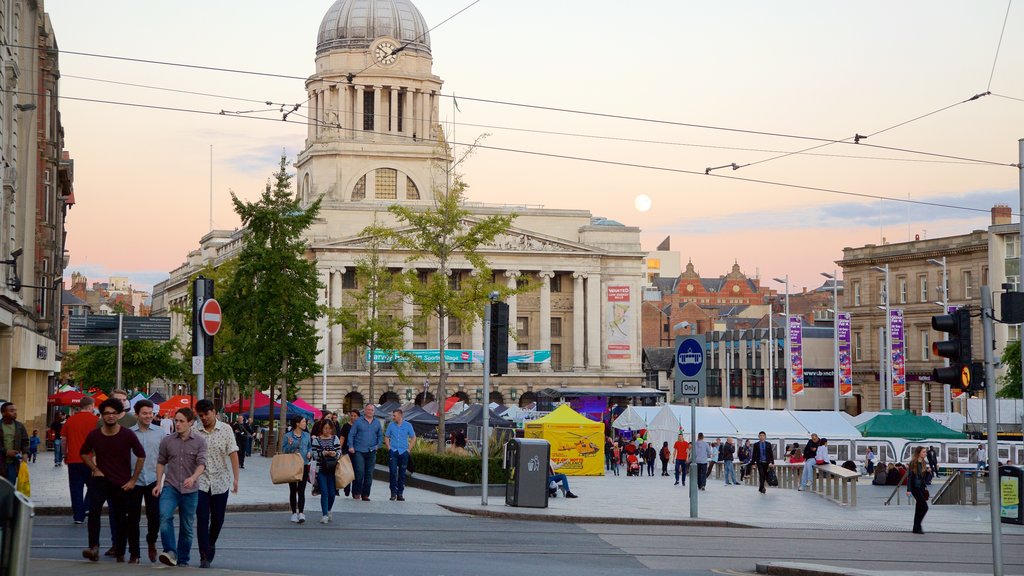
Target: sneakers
295, 517
302, 517
394, 497
799, 488
169, 558
401, 498
325, 519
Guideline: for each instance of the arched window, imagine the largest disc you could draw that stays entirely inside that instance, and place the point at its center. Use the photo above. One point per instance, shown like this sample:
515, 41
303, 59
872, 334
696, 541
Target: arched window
359, 192
411, 191
305, 186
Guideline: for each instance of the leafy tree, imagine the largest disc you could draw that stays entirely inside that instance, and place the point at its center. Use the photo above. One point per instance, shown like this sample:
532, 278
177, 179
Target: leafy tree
271, 300
441, 237
142, 361
1010, 381
369, 321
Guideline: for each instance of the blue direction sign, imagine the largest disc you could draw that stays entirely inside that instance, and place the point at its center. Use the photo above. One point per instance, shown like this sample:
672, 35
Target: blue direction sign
691, 369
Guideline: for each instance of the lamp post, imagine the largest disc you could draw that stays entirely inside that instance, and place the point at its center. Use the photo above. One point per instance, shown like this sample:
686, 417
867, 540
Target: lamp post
789, 357
944, 291
835, 337
771, 360
884, 399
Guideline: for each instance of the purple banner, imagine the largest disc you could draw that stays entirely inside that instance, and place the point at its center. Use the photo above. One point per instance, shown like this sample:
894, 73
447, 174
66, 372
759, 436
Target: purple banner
845, 359
796, 356
899, 368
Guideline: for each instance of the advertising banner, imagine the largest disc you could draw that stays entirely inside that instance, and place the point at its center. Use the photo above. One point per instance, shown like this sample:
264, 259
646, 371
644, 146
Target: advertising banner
456, 356
845, 359
899, 367
619, 323
796, 356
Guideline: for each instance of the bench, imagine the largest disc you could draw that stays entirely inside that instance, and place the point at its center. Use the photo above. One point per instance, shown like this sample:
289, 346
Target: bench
835, 483
788, 475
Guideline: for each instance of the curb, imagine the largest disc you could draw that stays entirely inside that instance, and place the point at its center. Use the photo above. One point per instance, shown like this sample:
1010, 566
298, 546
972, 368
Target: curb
806, 569
274, 507
569, 519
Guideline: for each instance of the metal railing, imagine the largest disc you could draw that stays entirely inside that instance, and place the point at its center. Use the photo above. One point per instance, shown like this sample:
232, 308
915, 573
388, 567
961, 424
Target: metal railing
15, 530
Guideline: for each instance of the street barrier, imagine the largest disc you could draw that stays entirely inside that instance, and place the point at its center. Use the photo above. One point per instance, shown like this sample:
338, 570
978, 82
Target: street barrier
835, 483
15, 530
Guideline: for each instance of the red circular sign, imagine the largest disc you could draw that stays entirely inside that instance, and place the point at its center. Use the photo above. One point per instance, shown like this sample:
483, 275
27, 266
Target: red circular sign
209, 316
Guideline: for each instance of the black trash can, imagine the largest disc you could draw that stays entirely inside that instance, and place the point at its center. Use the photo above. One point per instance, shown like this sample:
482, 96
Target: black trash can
1011, 482
527, 462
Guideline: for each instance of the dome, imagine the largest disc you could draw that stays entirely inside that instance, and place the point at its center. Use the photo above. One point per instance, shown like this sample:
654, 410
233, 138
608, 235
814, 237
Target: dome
355, 24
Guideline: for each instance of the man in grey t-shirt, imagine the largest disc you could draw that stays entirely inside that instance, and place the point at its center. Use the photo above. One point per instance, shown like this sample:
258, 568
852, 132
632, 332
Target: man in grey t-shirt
701, 449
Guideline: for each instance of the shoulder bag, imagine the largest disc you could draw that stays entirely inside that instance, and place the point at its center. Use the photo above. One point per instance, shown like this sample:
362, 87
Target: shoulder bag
285, 468
343, 472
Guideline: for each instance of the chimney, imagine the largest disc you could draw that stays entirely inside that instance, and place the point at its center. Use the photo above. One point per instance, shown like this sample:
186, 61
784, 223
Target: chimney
1001, 214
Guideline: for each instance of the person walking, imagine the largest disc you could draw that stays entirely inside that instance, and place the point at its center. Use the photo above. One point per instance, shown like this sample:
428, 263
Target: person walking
243, 432
713, 456
398, 438
810, 451
869, 462
150, 437
982, 456
326, 450
298, 441
14, 439
216, 479
701, 453
916, 486
616, 458
181, 460
681, 455
650, 456
608, 444
762, 455
107, 451
364, 439
728, 453
58, 442
73, 433
33, 446
665, 454
346, 431
744, 456
933, 460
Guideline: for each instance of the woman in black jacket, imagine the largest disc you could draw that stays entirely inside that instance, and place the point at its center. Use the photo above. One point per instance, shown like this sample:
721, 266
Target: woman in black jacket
650, 457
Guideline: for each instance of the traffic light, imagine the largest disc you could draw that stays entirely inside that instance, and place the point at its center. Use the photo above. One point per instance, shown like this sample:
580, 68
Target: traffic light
962, 371
497, 361
202, 290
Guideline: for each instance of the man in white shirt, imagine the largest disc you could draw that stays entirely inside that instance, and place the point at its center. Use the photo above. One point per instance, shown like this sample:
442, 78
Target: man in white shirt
150, 437
216, 480
982, 457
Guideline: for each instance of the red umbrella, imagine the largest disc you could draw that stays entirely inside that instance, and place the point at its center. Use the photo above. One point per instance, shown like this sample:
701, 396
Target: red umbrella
66, 398
168, 408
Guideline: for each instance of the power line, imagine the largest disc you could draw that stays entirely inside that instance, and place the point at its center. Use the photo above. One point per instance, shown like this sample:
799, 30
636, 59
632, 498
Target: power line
999, 44
175, 90
1008, 97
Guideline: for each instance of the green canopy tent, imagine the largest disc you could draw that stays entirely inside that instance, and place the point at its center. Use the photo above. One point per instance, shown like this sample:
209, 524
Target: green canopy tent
904, 424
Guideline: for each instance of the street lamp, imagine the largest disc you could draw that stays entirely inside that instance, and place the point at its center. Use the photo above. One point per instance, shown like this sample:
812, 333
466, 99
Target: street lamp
683, 325
834, 277
944, 291
884, 400
789, 357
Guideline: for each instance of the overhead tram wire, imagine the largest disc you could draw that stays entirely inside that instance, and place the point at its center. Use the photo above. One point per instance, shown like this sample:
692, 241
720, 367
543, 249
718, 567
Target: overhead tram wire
545, 155
999, 45
175, 90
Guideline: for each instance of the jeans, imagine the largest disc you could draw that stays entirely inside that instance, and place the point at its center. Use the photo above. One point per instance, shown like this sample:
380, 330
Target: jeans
702, 474
681, 469
562, 479
650, 467
102, 490
808, 475
209, 520
397, 463
78, 480
362, 465
11, 472
730, 472
58, 455
136, 497
328, 491
171, 499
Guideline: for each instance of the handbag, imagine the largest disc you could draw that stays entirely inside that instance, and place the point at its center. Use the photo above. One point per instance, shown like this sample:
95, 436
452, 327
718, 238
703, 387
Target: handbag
24, 483
772, 479
343, 472
285, 468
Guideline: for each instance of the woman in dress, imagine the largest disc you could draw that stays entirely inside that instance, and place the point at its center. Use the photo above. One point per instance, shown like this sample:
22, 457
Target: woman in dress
326, 449
916, 485
297, 441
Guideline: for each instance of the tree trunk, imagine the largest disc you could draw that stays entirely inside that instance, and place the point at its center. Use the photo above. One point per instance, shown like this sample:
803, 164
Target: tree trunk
270, 421
283, 424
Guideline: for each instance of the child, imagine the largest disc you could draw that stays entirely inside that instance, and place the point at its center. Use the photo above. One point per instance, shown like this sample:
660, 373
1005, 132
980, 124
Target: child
33, 446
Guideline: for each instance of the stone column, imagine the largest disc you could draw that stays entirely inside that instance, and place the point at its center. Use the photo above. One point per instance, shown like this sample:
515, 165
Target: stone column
408, 124
357, 120
425, 115
578, 326
594, 327
513, 314
344, 111
545, 316
336, 330
311, 122
393, 112
407, 315
379, 119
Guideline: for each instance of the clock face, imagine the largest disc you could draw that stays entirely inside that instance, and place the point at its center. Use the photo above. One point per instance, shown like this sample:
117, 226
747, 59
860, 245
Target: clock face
735, 288
384, 53
689, 287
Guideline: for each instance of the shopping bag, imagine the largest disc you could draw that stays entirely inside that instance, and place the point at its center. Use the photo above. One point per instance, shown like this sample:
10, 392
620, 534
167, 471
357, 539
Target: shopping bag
24, 484
285, 468
772, 479
343, 473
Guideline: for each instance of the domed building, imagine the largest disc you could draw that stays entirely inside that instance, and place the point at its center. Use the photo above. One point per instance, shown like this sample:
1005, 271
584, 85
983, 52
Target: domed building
374, 139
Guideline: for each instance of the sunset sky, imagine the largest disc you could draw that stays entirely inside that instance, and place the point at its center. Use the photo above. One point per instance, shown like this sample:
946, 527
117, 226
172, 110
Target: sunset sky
809, 69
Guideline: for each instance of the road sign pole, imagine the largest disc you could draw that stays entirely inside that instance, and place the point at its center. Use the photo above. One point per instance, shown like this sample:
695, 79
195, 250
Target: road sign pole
484, 480
197, 328
693, 463
992, 426
120, 346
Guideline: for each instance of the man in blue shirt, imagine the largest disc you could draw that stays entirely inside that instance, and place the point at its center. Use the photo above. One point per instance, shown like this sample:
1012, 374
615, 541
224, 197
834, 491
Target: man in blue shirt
763, 456
363, 440
399, 438
150, 436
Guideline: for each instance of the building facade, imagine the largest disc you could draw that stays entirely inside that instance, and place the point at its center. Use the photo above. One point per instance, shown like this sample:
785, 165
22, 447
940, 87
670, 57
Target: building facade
37, 192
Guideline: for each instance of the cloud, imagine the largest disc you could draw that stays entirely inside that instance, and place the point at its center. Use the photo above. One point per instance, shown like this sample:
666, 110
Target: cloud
853, 214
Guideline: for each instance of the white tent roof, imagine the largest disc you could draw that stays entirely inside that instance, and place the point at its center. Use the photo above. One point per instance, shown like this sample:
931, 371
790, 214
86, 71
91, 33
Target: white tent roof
629, 420
139, 396
827, 424
665, 420
774, 422
710, 421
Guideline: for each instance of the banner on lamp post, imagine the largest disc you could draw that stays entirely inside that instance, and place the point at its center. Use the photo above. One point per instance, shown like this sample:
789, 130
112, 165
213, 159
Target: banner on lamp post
845, 363
899, 367
796, 356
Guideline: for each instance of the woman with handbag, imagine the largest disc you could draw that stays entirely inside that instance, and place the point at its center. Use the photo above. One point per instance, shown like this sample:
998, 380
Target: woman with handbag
916, 485
297, 441
326, 450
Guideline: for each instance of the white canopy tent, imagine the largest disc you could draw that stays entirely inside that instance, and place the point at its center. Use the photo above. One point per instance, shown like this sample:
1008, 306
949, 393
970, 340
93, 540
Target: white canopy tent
711, 421
827, 424
664, 427
629, 420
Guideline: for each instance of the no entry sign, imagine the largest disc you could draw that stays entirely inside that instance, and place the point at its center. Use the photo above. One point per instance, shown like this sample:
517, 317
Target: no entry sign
209, 316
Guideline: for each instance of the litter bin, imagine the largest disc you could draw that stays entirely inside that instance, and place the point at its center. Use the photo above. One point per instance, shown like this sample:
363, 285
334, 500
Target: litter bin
527, 463
1011, 480
15, 530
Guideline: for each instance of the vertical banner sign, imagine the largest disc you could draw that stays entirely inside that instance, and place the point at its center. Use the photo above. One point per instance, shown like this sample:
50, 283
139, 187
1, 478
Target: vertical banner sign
899, 367
955, 392
845, 364
796, 341
619, 323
